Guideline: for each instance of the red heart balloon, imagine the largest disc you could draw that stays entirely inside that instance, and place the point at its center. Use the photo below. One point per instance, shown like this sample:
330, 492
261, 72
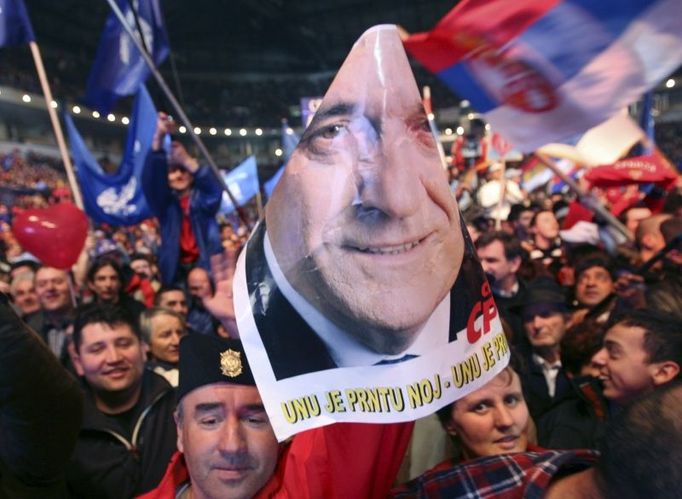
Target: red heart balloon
55, 235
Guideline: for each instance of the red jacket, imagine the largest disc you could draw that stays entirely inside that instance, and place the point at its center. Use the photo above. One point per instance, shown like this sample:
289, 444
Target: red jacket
338, 461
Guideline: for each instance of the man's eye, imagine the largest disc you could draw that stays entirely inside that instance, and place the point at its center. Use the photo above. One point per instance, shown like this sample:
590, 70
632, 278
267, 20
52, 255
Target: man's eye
208, 422
330, 131
256, 420
512, 400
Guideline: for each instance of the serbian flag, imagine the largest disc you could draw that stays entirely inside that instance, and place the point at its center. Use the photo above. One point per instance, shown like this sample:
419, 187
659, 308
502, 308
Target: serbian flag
15, 26
545, 70
119, 68
652, 168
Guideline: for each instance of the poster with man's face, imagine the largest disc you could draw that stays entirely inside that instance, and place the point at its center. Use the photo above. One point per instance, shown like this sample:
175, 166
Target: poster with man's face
359, 297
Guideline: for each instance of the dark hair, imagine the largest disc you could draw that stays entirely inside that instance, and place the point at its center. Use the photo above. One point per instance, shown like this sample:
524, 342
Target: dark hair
534, 220
142, 256
594, 260
512, 245
100, 263
662, 333
641, 454
94, 313
516, 210
579, 345
167, 289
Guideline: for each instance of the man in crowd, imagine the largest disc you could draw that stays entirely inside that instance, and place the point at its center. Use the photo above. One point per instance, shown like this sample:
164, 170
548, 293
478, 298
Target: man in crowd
642, 350
594, 285
648, 236
546, 243
105, 281
54, 321
173, 298
545, 318
161, 330
185, 197
23, 291
128, 433
227, 447
500, 254
200, 286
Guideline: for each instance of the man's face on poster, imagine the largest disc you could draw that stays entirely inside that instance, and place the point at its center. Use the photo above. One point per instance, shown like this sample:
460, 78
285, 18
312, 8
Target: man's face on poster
363, 223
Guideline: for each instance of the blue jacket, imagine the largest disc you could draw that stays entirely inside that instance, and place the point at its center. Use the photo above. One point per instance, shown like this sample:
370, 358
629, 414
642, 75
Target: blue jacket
204, 202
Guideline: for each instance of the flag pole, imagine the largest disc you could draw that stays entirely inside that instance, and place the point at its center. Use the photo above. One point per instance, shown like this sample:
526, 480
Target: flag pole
503, 194
587, 198
56, 125
176, 107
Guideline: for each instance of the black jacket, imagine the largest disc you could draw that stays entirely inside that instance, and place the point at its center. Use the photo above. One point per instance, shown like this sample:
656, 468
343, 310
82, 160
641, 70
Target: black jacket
293, 347
535, 388
109, 462
40, 411
578, 421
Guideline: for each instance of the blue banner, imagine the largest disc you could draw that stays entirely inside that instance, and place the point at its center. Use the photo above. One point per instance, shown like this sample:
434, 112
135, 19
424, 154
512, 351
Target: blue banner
243, 184
117, 199
15, 26
119, 68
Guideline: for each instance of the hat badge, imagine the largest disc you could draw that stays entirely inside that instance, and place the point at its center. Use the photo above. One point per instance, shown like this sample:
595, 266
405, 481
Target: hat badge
231, 363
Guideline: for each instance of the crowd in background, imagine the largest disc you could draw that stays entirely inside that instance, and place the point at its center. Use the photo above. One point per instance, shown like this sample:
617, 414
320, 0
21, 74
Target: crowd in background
563, 280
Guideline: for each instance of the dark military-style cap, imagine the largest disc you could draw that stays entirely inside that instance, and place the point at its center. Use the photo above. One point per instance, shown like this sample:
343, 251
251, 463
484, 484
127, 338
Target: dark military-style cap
208, 359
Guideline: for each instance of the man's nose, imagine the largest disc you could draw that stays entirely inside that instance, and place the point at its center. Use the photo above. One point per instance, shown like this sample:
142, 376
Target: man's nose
599, 358
231, 438
112, 354
388, 183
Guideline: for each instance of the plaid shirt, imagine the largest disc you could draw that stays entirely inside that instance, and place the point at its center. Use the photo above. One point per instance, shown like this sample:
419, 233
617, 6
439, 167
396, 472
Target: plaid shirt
526, 474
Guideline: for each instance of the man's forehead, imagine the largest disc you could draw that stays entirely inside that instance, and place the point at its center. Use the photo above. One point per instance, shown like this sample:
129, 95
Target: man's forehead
49, 273
223, 393
96, 331
542, 309
626, 334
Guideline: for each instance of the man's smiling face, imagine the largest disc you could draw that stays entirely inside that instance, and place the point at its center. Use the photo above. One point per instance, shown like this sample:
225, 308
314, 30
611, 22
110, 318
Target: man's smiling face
362, 222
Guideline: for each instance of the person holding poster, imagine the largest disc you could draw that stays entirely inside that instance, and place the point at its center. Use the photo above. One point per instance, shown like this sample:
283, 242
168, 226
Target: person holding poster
362, 260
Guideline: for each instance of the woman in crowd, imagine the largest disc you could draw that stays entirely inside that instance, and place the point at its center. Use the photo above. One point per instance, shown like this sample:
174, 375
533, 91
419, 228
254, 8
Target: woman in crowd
489, 421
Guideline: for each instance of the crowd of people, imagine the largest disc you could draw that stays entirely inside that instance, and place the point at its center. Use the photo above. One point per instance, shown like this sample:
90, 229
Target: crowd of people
593, 318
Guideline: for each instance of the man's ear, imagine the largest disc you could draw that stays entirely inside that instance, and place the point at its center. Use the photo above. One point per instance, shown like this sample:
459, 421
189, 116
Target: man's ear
515, 263
178, 427
77, 363
665, 371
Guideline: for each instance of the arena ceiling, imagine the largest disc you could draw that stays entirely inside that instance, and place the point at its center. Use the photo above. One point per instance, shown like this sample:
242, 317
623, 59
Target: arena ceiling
233, 38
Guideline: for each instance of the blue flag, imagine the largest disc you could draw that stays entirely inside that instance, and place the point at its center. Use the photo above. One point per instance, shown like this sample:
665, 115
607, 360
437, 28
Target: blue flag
15, 26
243, 184
119, 68
117, 199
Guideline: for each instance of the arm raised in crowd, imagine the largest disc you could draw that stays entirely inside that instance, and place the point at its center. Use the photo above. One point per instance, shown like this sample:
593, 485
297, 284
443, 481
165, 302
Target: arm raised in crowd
40, 412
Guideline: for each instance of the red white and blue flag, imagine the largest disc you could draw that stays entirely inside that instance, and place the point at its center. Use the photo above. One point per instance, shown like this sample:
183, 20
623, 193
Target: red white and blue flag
545, 70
